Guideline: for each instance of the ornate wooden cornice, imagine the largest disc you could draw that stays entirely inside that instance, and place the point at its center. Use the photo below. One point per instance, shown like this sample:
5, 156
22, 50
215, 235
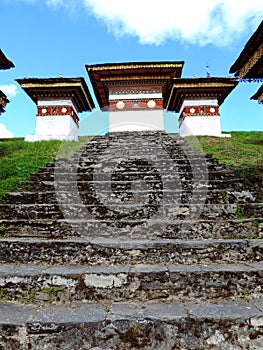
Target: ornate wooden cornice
73, 88
131, 73
198, 89
249, 63
3, 101
134, 65
5, 63
249, 67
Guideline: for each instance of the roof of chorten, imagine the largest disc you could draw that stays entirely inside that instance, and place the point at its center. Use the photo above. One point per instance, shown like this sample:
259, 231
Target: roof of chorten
258, 95
132, 74
3, 101
249, 63
74, 88
5, 63
199, 88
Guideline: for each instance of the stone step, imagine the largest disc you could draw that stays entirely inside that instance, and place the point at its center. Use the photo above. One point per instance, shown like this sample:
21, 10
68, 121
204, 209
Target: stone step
144, 325
140, 146
136, 229
233, 184
165, 325
111, 210
165, 139
184, 163
102, 270
158, 138
42, 283
130, 176
88, 161
115, 158
210, 197
108, 251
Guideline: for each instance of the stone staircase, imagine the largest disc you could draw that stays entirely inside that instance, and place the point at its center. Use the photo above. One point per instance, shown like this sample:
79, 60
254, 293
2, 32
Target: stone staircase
136, 242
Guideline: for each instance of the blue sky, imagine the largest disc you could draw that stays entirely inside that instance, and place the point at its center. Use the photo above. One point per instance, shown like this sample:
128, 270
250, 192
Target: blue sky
47, 37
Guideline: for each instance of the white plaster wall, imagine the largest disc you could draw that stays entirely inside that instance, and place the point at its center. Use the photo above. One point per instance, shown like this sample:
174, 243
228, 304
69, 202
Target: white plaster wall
136, 120
188, 103
134, 96
35, 138
205, 125
73, 129
56, 128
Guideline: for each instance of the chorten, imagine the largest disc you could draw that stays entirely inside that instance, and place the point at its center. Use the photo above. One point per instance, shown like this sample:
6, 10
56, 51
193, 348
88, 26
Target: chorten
197, 101
3, 102
134, 93
58, 100
5, 63
249, 64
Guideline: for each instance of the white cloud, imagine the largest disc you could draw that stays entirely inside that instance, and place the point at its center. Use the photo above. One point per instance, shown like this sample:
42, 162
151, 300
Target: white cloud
10, 90
202, 22
4, 132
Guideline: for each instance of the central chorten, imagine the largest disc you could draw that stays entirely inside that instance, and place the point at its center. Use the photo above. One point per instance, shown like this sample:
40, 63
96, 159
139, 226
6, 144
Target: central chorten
134, 94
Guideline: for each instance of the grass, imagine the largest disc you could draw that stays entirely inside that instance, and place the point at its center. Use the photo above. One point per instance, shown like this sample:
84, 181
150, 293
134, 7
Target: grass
243, 153
18, 159
242, 150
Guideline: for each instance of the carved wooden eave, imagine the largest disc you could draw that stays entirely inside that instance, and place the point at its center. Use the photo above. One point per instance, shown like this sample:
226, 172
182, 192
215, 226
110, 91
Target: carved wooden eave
103, 76
199, 89
55, 88
258, 95
5, 63
249, 64
3, 101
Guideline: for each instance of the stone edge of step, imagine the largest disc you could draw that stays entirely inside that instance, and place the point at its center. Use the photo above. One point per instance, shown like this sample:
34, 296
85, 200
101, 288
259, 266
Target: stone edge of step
170, 311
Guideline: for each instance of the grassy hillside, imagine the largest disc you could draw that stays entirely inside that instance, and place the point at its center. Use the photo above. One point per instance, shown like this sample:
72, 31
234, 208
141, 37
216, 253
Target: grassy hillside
243, 153
18, 159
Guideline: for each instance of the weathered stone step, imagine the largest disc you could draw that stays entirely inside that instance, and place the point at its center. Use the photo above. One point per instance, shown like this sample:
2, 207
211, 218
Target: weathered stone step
138, 149
108, 251
166, 140
139, 136
170, 325
136, 229
130, 176
212, 196
114, 159
224, 184
37, 283
139, 143
99, 169
159, 137
172, 209
88, 161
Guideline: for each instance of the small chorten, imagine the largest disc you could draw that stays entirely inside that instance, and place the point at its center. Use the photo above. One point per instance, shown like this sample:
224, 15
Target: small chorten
58, 100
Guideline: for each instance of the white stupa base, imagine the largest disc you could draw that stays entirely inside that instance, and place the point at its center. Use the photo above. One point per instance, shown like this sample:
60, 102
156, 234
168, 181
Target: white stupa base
35, 138
62, 128
202, 126
136, 120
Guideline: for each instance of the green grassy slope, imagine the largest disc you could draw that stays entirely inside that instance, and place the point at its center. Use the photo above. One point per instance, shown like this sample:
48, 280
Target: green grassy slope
18, 159
243, 153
